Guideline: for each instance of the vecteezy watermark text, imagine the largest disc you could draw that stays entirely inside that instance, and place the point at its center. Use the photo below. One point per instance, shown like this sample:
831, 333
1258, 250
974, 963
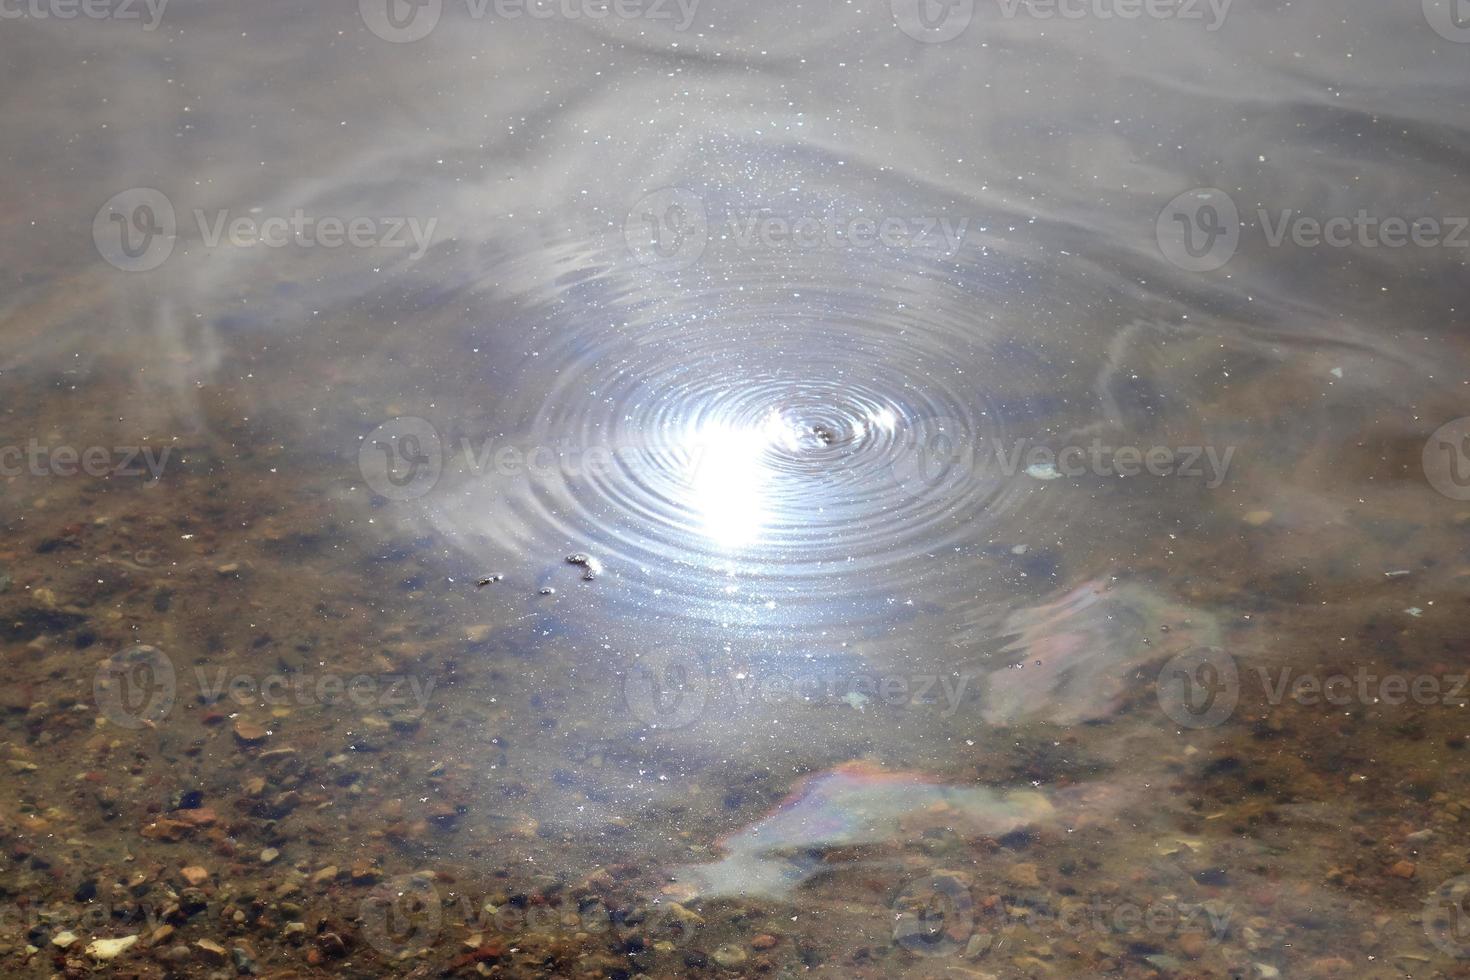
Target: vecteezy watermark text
1211, 12
1363, 687
137, 229
404, 458
1200, 230
95, 461
409, 913
673, 689
138, 687
1202, 688
405, 21
670, 229
937, 21
150, 12
300, 229
936, 458
391, 691
937, 916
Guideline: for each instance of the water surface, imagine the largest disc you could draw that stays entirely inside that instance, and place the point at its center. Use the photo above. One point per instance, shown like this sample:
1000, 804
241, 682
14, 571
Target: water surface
996, 554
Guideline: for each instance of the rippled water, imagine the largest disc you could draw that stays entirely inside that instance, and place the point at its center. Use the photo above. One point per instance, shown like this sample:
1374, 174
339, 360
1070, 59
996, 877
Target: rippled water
770, 437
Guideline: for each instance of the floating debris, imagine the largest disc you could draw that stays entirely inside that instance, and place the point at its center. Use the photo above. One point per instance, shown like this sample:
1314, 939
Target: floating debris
591, 567
1071, 659
1044, 471
488, 580
856, 803
548, 591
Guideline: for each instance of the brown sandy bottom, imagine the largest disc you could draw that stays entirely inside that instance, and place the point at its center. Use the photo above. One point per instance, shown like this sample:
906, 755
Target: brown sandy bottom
328, 832
367, 769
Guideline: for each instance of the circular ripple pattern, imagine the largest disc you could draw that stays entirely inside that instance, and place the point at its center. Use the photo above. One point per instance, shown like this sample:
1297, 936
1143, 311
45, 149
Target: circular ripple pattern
764, 455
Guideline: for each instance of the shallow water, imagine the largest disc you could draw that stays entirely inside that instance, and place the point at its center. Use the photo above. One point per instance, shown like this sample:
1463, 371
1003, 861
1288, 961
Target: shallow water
742, 489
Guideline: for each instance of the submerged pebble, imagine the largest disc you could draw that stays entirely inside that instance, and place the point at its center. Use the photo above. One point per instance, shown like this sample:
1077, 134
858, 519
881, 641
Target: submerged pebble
729, 956
106, 949
249, 733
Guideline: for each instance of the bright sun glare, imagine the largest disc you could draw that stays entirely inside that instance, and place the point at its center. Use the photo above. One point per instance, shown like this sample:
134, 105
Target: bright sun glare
730, 474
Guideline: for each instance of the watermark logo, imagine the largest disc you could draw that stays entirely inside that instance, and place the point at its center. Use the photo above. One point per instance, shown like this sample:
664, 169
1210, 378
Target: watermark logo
406, 695
668, 229
135, 688
937, 455
139, 687
135, 230
808, 232
672, 690
1342, 690
1449, 18
405, 21
937, 21
933, 21
1199, 688
934, 916
401, 916
1446, 917
1446, 459
1199, 230
1211, 12
402, 459
401, 21
1363, 230
300, 229
150, 12
667, 689
937, 916
97, 462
